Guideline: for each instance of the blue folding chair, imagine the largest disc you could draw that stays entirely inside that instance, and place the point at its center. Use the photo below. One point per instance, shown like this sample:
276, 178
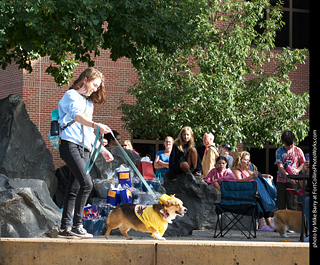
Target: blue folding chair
239, 199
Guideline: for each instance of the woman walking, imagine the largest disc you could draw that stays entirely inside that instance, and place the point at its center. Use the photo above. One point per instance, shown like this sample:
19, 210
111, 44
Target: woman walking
77, 137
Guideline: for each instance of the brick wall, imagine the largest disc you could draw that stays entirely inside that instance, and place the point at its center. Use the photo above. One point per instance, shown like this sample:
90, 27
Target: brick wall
11, 81
41, 95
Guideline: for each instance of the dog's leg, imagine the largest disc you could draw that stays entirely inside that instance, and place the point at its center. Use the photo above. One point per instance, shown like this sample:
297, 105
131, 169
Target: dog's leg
124, 231
283, 231
280, 226
107, 233
156, 234
113, 221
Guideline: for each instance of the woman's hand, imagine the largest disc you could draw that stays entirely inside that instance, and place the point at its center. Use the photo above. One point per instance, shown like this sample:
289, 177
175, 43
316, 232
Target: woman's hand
267, 176
106, 154
104, 129
254, 175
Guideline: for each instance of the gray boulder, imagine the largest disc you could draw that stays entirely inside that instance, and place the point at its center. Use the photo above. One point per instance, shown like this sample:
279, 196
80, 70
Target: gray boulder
23, 152
102, 167
26, 209
180, 227
197, 196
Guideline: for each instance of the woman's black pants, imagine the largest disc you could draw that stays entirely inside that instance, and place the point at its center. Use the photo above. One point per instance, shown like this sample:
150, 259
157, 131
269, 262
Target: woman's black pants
79, 185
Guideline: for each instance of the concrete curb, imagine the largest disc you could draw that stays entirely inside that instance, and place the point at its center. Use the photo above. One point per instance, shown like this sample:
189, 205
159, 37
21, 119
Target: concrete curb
42, 251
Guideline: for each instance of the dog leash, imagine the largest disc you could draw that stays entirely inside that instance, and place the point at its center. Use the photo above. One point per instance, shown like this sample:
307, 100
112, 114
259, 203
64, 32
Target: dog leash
94, 151
135, 169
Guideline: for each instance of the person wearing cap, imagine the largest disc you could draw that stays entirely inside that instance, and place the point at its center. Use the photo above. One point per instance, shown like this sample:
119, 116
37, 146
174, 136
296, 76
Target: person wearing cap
210, 154
225, 149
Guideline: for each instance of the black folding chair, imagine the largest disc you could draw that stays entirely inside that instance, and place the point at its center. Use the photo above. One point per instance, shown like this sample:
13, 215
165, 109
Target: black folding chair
239, 199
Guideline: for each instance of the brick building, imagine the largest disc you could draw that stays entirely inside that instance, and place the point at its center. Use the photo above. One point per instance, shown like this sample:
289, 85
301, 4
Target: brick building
41, 95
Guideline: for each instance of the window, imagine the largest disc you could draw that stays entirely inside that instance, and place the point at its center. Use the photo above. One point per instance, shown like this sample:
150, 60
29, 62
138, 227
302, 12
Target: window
296, 32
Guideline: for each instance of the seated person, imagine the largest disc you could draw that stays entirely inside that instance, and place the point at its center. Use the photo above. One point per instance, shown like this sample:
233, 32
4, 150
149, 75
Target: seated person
110, 139
219, 173
184, 156
161, 163
210, 154
241, 168
127, 145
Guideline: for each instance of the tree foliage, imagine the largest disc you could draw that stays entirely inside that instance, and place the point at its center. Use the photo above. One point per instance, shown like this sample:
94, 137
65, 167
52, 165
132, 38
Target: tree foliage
221, 84
72, 31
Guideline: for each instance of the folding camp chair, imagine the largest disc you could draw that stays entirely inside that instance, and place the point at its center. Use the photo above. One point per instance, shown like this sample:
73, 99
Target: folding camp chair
238, 199
298, 193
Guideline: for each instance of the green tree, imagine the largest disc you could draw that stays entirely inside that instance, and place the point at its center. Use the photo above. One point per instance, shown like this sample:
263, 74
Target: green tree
73, 31
220, 85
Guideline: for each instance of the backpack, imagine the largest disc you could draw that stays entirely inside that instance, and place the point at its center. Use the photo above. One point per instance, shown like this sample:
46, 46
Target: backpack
54, 133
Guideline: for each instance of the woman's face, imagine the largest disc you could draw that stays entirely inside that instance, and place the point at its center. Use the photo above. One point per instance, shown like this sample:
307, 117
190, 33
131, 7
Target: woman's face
91, 86
221, 165
245, 161
186, 136
168, 143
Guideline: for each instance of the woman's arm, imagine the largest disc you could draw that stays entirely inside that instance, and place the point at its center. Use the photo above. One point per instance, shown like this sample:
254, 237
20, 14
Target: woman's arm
103, 129
89, 123
163, 164
156, 162
106, 154
209, 178
228, 176
237, 173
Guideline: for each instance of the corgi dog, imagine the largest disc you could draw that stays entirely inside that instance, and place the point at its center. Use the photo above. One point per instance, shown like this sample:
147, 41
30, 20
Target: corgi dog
153, 219
284, 219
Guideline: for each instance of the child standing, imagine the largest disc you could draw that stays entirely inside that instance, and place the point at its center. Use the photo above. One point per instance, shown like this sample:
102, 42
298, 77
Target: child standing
288, 157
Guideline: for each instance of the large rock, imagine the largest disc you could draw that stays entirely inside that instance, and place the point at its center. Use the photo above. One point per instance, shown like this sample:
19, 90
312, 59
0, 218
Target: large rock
180, 227
26, 209
23, 152
102, 167
197, 196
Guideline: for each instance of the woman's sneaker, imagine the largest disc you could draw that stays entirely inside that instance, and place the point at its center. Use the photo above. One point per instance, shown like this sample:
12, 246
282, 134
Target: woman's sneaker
80, 232
66, 234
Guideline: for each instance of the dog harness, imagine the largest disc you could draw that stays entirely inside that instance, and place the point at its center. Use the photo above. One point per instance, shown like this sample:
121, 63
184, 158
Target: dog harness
151, 218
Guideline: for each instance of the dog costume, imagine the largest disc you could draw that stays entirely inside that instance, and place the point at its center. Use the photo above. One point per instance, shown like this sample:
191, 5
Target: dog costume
150, 218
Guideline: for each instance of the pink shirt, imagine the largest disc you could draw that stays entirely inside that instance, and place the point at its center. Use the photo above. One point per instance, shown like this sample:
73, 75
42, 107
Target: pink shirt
293, 157
214, 174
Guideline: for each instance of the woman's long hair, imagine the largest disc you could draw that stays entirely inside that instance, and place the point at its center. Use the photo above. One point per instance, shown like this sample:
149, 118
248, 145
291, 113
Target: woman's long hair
91, 73
237, 160
179, 141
